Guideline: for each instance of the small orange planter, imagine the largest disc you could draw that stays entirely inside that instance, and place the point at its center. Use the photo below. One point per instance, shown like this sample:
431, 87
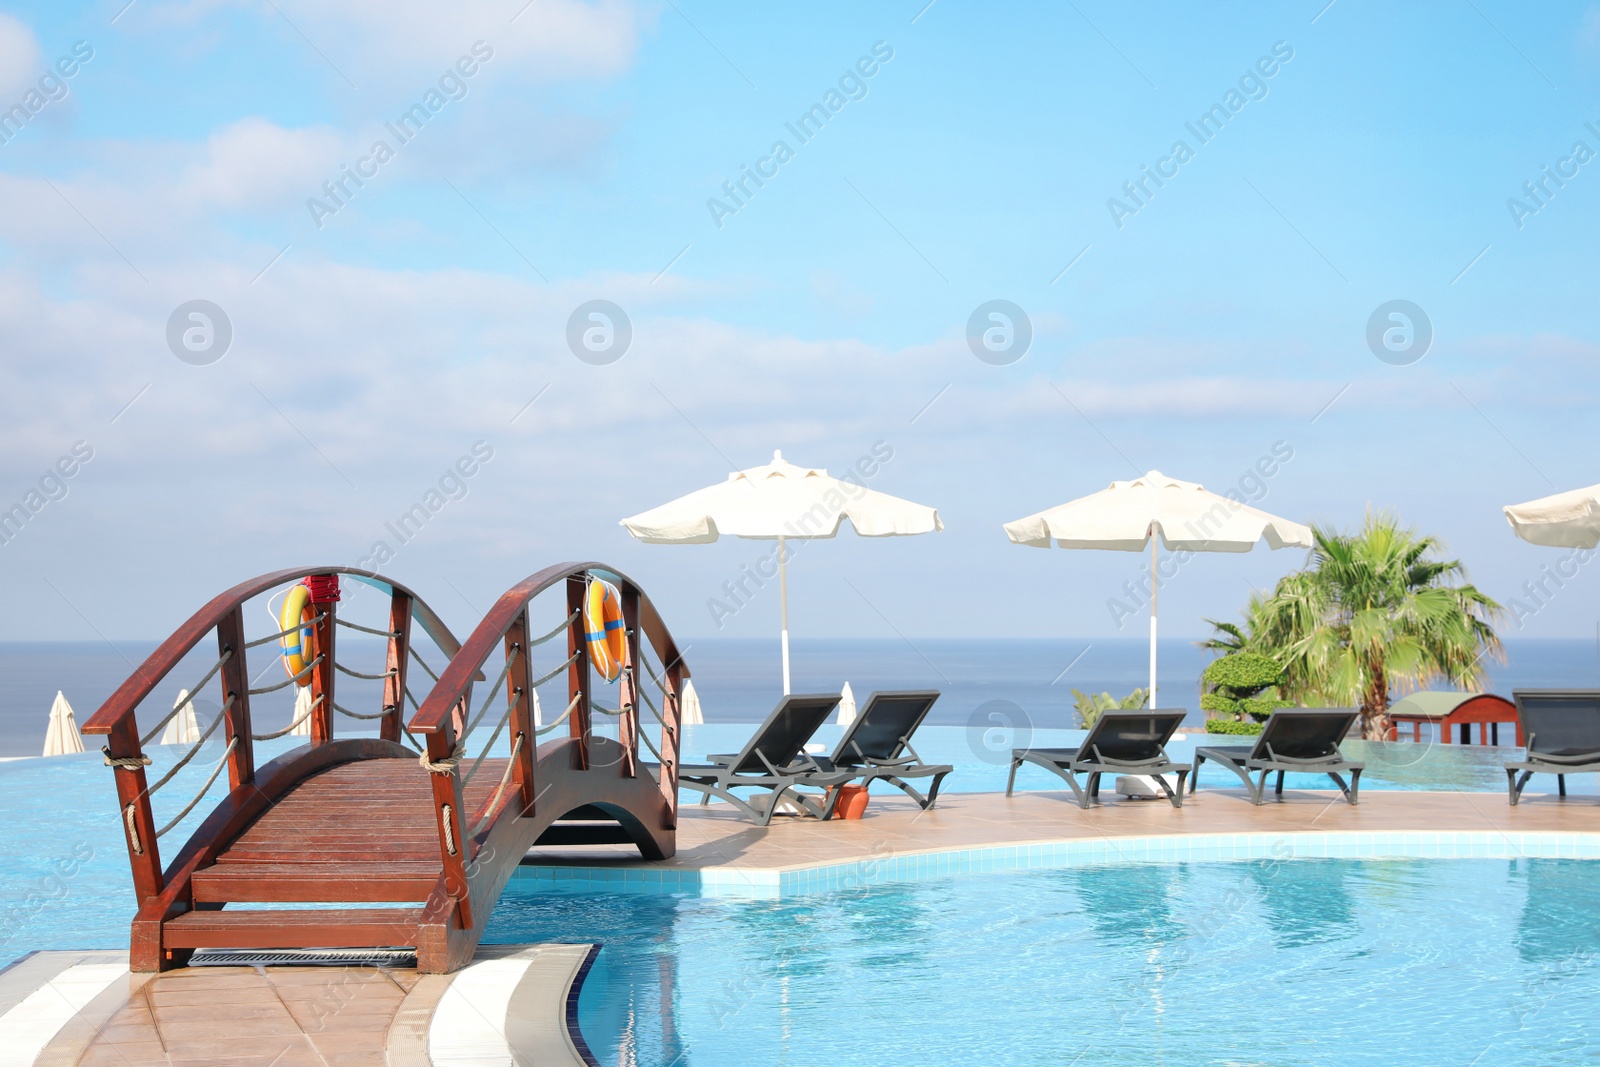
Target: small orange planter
851, 803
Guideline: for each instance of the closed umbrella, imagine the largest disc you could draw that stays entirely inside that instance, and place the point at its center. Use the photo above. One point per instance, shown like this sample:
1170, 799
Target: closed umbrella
1184, 516
691, 715
183, 728
1565, 520
847, 705
780, 502
61, 737
302, 709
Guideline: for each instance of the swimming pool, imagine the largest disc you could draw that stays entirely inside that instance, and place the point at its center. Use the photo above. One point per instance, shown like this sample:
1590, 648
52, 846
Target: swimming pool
1283, 962
64, 879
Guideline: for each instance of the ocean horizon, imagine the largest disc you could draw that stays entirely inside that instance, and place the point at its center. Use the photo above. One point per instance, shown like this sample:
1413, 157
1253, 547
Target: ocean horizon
739, 679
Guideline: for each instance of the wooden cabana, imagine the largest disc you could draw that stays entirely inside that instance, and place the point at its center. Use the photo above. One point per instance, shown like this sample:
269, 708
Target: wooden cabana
1449, 710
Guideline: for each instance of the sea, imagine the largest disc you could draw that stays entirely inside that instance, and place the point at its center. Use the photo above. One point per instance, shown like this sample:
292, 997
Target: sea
981, 681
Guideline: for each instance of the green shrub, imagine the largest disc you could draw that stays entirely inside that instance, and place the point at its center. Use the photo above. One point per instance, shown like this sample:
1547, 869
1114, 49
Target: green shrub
1090, 707
1244, 672
1229, 726
1242, 684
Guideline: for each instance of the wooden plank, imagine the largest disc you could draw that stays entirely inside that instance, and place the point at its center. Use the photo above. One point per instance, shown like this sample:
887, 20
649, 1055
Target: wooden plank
399, 658
296, 928
628, 695
323, 674
578, 674
236, 699
519, 686
357, 882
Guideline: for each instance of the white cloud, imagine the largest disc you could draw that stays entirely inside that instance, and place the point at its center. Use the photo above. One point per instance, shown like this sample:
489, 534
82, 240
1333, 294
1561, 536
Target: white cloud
19, 59
254, 163
392, 42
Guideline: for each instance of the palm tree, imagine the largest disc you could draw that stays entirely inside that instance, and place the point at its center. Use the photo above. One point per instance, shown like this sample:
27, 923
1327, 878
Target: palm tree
1232, 637
1376, 610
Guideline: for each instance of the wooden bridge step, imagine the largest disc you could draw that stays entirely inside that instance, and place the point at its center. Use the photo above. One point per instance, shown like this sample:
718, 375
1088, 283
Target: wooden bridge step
326, 928
355, 882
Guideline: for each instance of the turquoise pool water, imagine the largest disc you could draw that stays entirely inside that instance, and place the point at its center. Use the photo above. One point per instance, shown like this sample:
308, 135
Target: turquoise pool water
64, 880
1290, 962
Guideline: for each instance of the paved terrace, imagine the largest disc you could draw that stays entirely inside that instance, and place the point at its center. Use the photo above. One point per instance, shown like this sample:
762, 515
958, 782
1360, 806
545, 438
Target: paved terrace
85, 1008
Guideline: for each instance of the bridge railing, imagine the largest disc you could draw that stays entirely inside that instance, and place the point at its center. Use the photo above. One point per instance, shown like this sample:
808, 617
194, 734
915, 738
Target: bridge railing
117, 719
506, 645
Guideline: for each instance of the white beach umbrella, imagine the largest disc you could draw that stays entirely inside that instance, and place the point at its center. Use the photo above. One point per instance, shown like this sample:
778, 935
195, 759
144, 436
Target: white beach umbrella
183, 728
61, 737
538, 712
302, 706
1185, 515
689, 706
847, 705
1565, 520
781, 502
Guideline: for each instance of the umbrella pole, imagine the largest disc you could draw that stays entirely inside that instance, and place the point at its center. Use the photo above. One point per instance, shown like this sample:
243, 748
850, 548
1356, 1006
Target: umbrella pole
1153, 577
783, 601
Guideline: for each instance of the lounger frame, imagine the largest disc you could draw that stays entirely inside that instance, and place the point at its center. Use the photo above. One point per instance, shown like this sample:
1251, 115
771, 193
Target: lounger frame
1264, 759
753, 769
1097, 755
893, 763
1559, 763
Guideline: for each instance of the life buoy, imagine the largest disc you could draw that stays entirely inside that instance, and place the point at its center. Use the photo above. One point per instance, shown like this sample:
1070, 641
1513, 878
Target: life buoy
603, 630
297, 645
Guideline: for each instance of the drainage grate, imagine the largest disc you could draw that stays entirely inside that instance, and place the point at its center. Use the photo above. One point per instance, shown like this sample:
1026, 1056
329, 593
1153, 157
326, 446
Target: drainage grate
302, 957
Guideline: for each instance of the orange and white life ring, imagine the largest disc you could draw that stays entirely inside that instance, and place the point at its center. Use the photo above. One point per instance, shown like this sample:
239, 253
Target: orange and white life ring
603, 629
296, 642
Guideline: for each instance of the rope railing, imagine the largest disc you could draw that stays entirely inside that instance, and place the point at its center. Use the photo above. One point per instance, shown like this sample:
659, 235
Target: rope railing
281, 634
561, 628
651, 705
365, 629
422, 662
197, 687
500, 790
543, 678
563, 716
511, 658
651, 672
488, 745
290, 728
292, 678
360, 715
203, 789
602, 709
342, 669
645, 737
198, 745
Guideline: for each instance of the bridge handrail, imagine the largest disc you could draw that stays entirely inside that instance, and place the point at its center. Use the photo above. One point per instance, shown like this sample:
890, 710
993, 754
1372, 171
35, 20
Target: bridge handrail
161, 662
116, 719
445, 717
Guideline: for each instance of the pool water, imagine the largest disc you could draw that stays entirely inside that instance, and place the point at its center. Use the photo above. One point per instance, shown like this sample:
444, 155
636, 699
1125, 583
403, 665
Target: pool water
64, 880
1286, 962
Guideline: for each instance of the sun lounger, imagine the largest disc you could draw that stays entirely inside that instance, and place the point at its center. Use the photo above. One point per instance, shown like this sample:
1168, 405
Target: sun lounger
767, 761
1563, 731
877, 746
1294, 739
1121, 742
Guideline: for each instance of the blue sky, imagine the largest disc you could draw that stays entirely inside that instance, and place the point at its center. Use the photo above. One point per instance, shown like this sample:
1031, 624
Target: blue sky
1226, 316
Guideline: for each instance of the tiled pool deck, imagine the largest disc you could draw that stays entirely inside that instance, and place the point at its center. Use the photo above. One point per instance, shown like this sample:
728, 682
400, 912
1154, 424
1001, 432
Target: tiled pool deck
83, 1008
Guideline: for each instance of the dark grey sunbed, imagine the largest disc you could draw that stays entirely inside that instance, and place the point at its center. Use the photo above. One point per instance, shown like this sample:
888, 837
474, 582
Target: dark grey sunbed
1121, 742
767, 761
878, 746
1294, 739
1562, 727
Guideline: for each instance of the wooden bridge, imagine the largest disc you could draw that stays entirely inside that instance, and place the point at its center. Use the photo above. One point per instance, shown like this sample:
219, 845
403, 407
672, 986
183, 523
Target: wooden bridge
421, 839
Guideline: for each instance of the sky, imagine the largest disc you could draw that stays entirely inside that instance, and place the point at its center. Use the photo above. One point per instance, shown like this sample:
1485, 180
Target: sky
1202, 213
